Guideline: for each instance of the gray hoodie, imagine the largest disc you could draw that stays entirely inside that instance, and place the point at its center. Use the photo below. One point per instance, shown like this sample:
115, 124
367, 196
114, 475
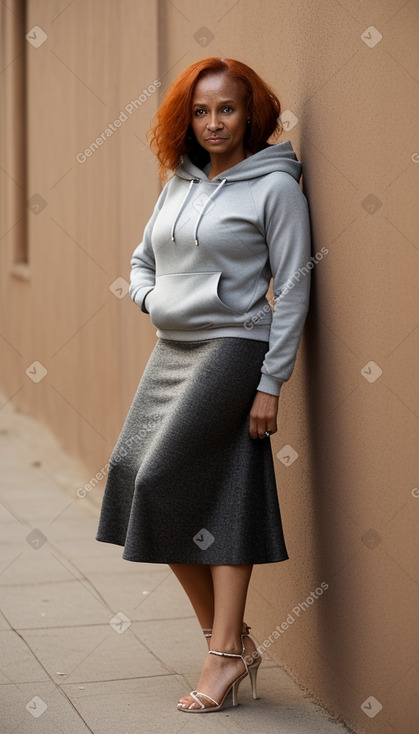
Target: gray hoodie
211, 248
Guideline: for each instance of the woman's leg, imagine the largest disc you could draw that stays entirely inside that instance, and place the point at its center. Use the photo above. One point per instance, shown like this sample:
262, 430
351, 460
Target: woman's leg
230, 585
230, 592
196, 580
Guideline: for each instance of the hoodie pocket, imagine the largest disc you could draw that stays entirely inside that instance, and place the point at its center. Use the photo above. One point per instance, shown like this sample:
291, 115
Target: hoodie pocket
187, 301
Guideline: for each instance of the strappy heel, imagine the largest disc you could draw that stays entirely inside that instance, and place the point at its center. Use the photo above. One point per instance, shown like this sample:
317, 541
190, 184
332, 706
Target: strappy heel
251, 667
233, 687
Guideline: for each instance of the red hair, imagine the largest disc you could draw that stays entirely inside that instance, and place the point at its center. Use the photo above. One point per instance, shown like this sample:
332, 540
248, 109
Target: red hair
171, 135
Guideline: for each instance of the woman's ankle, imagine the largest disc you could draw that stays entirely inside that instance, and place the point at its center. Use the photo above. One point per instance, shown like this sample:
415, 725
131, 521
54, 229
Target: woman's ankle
232, 645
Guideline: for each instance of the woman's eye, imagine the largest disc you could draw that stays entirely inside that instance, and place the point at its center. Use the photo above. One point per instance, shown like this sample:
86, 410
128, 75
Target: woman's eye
200, 111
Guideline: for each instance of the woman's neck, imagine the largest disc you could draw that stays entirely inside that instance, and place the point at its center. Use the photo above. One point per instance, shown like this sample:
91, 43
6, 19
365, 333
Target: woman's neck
218, 164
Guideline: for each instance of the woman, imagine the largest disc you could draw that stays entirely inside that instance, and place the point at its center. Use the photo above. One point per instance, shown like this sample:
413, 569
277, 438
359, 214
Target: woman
191, 480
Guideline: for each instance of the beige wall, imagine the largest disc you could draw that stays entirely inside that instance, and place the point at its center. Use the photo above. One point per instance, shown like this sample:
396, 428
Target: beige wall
349, 511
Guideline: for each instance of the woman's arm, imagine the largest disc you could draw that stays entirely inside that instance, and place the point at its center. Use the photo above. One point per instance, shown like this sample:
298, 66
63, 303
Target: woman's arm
142, 278
288, 237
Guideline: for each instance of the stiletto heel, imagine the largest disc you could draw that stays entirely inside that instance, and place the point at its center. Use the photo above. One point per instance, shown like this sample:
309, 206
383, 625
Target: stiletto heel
252, 667
235, 690
253, 671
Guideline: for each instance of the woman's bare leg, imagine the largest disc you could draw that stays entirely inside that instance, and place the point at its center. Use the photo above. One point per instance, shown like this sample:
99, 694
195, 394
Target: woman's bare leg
230, 591
230, 585
196, 580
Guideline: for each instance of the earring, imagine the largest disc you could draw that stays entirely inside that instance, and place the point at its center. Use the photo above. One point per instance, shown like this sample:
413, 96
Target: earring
248, 120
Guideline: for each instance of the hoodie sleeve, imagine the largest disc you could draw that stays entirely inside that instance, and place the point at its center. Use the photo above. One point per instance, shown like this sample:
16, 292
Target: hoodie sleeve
287, 234
142, 278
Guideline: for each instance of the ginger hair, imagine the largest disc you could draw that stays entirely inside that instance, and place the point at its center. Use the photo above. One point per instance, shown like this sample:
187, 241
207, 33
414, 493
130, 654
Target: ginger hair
171, 135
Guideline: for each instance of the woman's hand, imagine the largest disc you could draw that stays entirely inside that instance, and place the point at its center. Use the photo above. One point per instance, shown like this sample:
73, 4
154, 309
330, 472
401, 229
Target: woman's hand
263, 415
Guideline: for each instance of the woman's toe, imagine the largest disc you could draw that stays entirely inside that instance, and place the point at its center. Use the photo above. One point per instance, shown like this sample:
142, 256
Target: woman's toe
185, 702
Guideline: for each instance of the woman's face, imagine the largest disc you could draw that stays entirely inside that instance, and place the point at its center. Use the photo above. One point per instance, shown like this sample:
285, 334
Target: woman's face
219, 116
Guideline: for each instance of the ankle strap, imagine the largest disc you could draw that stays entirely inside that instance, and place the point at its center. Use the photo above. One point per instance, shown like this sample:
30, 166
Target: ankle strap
228, 654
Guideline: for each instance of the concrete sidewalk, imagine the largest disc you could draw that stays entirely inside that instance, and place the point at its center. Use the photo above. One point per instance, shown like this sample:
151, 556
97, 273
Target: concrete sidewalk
92, 643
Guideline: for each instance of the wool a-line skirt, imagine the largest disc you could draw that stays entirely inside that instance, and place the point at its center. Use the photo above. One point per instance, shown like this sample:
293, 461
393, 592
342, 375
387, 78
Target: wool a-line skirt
186, 483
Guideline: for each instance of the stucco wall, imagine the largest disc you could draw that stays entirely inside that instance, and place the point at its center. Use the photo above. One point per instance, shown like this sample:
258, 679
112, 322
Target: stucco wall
349, 500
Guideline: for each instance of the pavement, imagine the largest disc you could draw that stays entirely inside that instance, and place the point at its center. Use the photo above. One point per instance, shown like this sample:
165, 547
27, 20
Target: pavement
93, 643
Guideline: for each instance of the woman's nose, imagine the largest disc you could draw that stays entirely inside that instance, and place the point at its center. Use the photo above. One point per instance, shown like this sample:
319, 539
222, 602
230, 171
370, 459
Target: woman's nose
213, 121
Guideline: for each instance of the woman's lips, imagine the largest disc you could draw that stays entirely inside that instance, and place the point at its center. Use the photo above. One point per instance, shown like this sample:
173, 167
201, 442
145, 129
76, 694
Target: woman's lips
215, 140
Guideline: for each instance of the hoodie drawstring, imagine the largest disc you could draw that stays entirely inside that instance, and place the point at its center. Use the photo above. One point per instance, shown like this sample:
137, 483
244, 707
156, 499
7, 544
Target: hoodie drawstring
194, 180
195, 234
201, 214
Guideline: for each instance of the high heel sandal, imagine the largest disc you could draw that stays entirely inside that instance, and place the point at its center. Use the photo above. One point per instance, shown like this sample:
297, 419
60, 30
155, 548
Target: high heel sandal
256, 659
251, 671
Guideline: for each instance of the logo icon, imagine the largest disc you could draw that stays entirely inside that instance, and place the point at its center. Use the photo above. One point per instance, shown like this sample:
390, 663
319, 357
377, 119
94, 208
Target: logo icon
36, 706
36, 539
119, 287
287, 455
371, 371
120, 622
371, 203
371, 36
371, 706
201, 201
36, 371
203, 36
203, 539
36, 204
288, 120
371, 539
36, 36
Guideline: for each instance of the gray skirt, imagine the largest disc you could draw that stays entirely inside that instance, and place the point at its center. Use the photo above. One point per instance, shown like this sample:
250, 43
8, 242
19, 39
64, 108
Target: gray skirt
186, 483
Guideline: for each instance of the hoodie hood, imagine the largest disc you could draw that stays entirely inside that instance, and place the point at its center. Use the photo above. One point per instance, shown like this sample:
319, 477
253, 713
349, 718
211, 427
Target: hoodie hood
280, 157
